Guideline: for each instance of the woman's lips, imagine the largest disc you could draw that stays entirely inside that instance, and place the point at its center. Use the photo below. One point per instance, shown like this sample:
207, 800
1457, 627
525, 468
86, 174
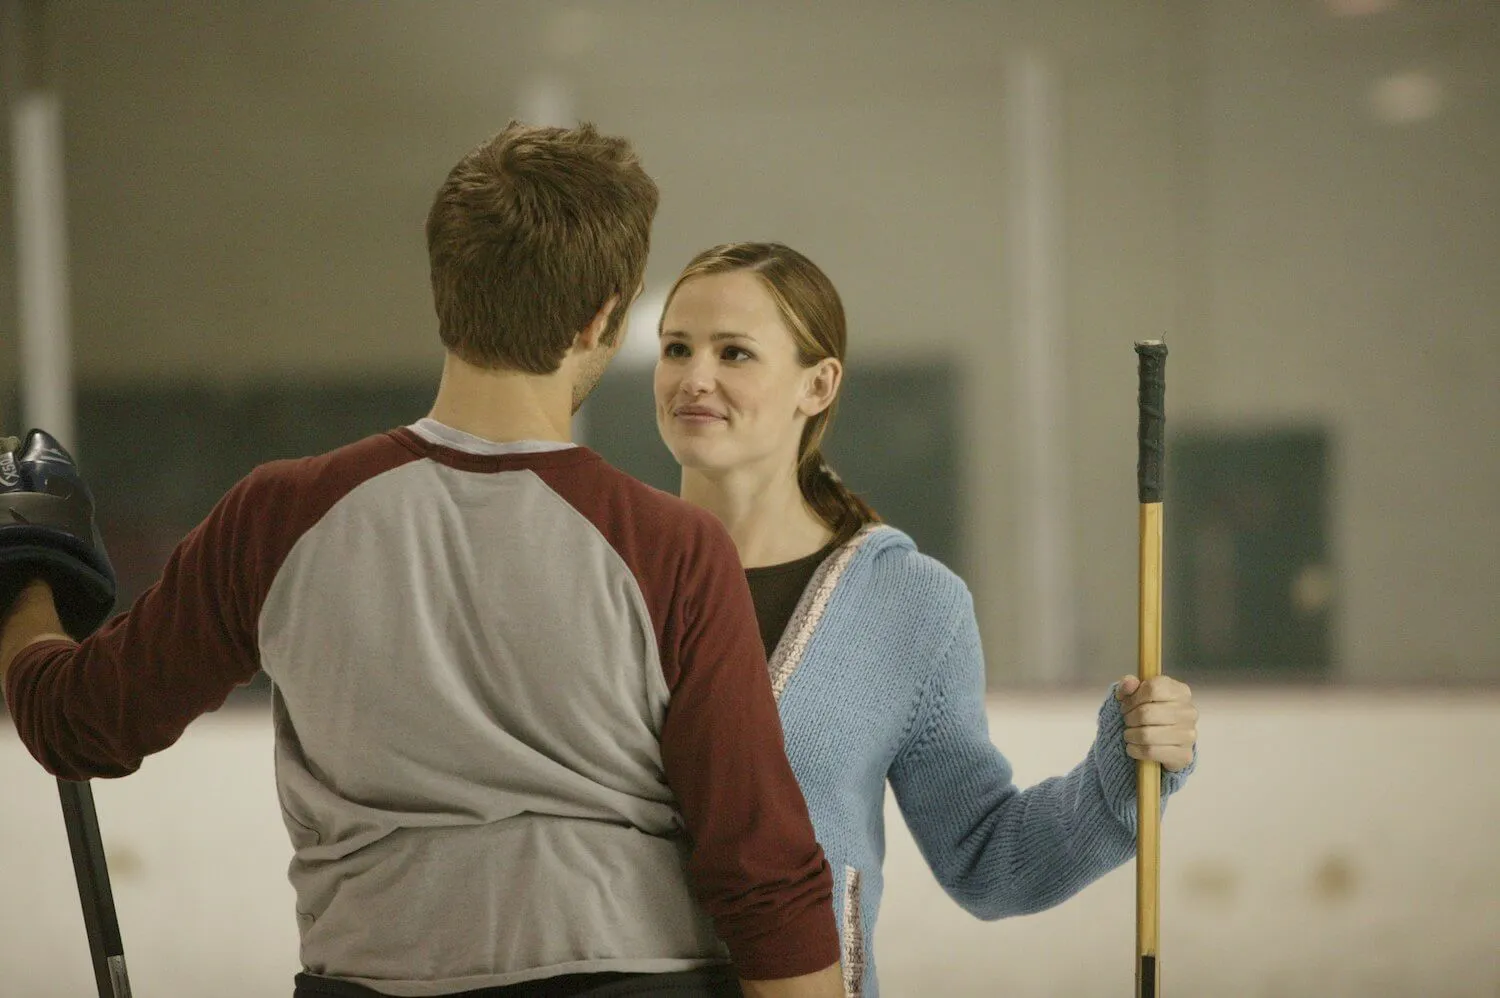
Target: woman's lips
696, 414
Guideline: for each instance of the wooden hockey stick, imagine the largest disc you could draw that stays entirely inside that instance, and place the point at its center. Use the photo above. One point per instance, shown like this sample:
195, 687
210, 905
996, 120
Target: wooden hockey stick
1151, 451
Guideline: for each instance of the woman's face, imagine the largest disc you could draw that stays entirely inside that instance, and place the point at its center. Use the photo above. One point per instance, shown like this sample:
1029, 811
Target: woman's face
729, 389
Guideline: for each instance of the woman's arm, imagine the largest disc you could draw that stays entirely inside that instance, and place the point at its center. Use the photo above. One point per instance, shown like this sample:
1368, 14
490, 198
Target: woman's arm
999, 850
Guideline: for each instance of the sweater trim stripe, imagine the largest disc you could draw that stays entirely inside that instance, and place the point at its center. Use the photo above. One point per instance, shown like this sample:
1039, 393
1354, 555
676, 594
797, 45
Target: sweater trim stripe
854, 936
792, 647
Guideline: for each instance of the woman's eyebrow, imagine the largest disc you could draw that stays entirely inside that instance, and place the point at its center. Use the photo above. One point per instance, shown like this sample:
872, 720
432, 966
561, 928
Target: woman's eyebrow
678, 334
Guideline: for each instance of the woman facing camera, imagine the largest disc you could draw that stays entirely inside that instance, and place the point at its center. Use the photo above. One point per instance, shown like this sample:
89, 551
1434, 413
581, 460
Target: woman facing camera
873, 647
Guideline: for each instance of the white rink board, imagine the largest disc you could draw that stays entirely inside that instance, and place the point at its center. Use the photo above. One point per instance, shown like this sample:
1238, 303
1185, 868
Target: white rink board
1333, 843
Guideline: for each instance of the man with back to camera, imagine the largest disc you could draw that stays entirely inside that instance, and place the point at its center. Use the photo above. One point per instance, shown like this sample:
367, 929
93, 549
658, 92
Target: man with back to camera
524, 733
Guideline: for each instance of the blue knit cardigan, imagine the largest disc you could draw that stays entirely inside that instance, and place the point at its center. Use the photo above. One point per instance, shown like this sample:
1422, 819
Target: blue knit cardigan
879, 677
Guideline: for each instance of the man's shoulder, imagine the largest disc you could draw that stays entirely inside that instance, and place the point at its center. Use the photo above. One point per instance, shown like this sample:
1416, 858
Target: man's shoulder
320, 479
660, 535
669, 515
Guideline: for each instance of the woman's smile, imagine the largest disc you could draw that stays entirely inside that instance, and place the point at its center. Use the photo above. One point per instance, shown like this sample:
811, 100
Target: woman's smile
696, 414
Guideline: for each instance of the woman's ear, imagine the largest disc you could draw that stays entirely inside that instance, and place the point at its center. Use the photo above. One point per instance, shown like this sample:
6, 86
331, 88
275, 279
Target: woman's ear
820, 386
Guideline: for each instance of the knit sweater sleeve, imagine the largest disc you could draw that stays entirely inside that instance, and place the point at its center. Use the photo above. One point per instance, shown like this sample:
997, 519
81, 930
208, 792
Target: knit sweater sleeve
999, 850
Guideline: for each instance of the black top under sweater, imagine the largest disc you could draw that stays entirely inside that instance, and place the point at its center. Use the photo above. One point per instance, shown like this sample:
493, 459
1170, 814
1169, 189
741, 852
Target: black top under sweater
776, 589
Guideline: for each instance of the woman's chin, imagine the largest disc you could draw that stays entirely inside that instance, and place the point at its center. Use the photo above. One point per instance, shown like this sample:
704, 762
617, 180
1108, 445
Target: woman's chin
698, 455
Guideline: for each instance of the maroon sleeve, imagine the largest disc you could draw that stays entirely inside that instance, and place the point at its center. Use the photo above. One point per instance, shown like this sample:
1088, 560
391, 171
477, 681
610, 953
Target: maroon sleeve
130, 689
98, 708
755, 864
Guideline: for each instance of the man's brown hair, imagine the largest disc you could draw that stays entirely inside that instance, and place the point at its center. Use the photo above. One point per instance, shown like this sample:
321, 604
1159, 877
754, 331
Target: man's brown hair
529, 236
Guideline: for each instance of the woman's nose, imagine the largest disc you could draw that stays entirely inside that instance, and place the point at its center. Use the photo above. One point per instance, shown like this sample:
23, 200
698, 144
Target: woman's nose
698, 378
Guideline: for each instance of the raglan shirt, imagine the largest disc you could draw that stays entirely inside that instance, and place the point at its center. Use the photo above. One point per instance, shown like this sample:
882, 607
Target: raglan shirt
523, 721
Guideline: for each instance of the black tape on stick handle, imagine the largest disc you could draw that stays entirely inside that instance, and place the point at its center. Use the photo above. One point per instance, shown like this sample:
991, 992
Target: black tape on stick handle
1153, 406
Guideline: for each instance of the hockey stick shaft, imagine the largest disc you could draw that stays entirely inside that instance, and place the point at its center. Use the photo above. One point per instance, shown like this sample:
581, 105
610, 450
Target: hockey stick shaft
92, 873
1151, 452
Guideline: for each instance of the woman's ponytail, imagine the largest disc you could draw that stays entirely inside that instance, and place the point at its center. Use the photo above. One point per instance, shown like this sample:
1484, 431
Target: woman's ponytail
834, 502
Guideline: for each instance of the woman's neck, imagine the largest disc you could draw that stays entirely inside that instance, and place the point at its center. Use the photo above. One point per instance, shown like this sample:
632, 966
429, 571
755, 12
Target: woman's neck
764, 512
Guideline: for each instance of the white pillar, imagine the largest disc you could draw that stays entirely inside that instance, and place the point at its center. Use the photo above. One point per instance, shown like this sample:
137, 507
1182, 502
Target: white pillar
1043, 580
42, 266
547, 100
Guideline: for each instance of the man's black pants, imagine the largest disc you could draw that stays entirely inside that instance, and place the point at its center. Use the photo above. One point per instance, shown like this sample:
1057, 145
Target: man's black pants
708, 982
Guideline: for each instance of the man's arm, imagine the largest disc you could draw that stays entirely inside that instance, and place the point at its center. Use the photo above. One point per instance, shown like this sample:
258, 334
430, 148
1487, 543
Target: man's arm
98, 708
32, 618
756, 866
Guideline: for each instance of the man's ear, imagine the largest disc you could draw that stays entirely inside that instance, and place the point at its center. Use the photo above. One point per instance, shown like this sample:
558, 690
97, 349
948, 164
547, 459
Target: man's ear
588, 338
821, 386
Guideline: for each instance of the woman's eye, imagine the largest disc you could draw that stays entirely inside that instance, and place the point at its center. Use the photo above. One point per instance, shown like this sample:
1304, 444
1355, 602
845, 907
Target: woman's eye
675, 350
737, 353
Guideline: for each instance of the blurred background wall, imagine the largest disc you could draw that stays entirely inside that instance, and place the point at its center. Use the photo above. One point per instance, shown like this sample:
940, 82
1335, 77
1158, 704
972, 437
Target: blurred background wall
1299, 195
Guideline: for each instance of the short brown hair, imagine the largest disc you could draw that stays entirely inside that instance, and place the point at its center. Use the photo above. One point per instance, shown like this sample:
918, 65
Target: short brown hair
814, 313
529, 236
